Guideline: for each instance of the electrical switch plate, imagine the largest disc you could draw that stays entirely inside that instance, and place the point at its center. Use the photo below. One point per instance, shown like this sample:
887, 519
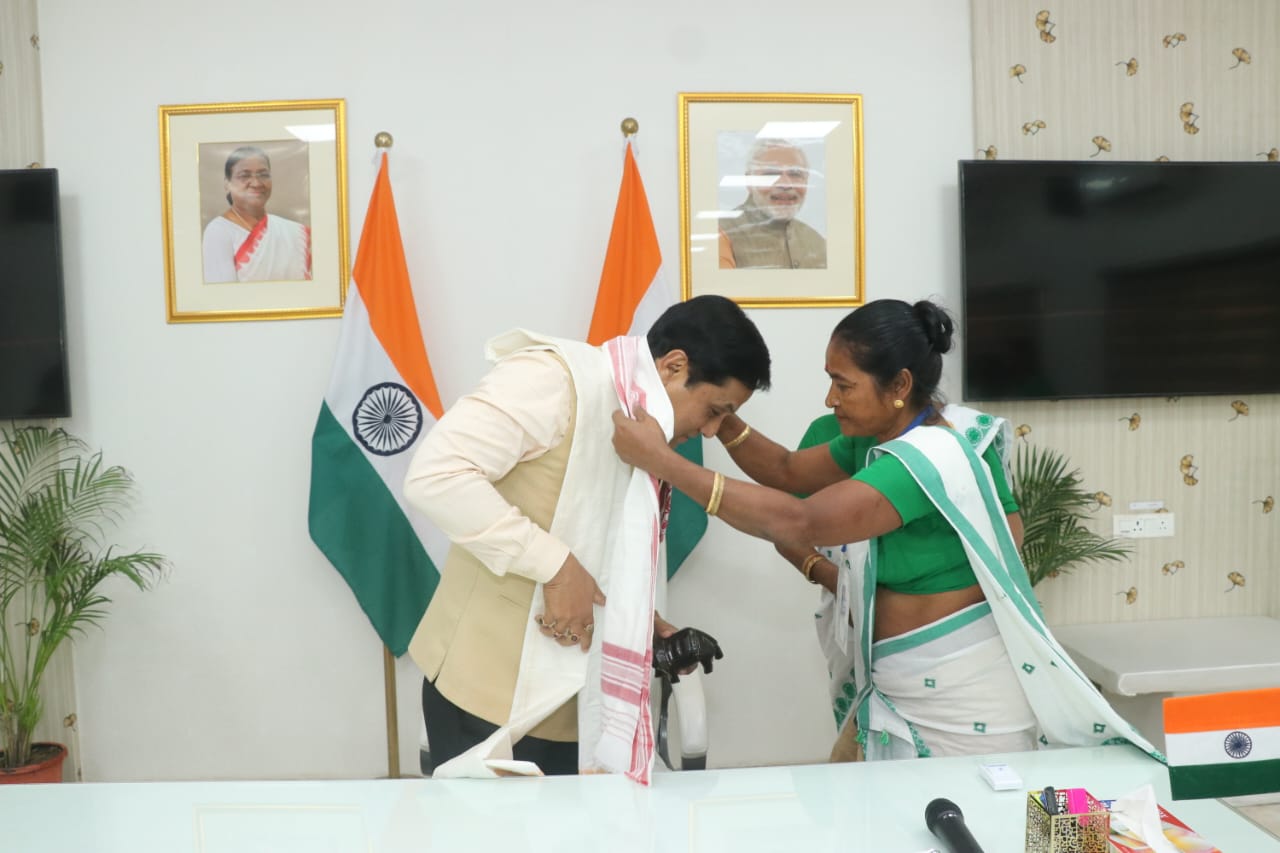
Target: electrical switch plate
1145, 526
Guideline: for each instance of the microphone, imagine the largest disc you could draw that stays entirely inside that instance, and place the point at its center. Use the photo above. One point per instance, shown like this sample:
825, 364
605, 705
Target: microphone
945, 821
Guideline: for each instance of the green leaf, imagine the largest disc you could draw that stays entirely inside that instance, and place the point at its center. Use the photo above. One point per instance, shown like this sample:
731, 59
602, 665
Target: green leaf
58, 502
1054, 504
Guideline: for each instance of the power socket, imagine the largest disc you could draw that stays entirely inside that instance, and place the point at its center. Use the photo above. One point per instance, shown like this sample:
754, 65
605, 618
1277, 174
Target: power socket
1150, 525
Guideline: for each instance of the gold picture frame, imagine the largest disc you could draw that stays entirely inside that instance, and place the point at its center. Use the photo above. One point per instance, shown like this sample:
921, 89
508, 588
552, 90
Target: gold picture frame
266, 242
771, 203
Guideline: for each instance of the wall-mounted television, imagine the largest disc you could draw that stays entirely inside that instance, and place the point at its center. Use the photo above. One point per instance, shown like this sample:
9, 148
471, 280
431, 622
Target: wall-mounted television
33, 352
1118, 279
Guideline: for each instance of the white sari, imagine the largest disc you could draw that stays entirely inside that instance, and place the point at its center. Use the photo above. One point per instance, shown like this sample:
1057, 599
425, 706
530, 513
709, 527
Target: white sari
953, 678
277, 249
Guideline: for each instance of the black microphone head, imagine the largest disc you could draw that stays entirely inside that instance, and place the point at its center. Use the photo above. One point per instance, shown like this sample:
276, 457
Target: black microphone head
939, 809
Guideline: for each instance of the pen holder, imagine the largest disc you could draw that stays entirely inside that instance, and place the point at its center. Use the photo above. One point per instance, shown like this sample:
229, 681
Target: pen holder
1084, 832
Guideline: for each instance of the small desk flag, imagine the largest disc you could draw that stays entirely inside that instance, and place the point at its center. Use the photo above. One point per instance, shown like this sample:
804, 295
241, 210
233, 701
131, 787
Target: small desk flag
1223, 744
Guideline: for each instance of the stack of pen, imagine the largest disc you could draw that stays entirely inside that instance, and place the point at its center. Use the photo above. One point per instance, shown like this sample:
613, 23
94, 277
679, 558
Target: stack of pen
1066, 820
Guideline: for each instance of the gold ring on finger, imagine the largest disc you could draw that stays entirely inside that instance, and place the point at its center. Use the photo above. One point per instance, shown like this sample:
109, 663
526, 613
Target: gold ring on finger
589, 627
573, 638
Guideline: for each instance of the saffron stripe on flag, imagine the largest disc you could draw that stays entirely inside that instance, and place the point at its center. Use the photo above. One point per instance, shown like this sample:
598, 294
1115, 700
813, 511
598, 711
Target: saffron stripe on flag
1213, 711
632, 265
383, 278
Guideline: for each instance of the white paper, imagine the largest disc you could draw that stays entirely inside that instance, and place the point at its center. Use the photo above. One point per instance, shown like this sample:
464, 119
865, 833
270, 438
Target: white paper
1138, 814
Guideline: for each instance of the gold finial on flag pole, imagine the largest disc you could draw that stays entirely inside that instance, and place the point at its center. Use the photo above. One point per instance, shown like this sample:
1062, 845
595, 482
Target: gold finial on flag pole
630, 127
383, 140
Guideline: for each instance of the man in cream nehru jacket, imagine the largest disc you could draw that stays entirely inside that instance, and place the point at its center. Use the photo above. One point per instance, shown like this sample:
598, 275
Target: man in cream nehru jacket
548, 589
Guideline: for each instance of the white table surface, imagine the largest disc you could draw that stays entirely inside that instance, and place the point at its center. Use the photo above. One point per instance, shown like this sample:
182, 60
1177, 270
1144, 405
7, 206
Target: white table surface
1177, 655
846, 807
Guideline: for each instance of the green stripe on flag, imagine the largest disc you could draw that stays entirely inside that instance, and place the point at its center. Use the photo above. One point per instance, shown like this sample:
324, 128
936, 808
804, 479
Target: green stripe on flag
1237, 779
358, 525
688, 520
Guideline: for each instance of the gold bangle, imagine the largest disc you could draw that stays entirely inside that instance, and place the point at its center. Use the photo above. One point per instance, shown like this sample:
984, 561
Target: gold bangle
742, 436
806, 568
717, 492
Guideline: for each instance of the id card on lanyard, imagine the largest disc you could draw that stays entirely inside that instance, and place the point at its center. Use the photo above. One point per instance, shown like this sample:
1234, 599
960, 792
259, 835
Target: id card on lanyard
840, 624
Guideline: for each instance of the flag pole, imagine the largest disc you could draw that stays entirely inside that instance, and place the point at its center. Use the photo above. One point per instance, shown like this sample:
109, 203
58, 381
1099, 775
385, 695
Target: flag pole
393, 723
383, 141
630, 127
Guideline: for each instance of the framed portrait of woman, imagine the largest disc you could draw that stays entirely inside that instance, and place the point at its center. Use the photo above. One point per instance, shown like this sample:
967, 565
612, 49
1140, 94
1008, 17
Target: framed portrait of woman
771, 206
254, 208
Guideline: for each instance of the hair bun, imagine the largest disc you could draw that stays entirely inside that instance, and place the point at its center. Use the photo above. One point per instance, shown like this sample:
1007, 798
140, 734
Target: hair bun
937, 323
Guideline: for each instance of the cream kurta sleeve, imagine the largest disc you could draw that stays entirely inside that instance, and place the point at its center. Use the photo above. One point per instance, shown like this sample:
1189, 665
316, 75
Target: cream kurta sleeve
520, 410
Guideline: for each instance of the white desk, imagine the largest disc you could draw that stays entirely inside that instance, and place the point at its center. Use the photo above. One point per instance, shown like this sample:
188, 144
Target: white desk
1138, 664
855, 807
1177, 655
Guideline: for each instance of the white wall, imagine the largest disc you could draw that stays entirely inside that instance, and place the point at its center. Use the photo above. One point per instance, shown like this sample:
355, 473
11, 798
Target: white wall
253, 660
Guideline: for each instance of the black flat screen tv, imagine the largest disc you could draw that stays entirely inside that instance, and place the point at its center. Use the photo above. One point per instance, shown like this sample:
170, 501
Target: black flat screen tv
33, 353
1119, 279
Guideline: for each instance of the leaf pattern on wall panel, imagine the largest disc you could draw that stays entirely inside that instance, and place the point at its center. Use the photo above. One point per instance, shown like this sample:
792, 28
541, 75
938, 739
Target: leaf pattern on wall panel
1157, 81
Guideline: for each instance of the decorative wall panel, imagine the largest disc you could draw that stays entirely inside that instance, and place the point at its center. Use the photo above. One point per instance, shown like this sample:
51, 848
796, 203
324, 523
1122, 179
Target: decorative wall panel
1148, 80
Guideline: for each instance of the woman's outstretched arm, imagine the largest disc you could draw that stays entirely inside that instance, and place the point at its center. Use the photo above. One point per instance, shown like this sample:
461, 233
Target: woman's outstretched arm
846, 511
771, 464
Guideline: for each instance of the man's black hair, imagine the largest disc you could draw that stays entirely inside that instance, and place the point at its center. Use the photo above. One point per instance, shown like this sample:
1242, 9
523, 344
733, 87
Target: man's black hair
721, 341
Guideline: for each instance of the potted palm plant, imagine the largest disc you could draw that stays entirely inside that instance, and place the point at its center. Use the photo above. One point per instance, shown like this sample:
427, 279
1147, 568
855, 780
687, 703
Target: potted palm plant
57, 500
1054, 505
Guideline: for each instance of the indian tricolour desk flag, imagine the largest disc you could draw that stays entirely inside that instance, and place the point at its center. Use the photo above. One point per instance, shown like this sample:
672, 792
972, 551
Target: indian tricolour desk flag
1223, 744
381, 401
633, 293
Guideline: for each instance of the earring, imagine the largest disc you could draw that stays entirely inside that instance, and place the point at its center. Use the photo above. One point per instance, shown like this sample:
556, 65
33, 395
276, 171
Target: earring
898, 404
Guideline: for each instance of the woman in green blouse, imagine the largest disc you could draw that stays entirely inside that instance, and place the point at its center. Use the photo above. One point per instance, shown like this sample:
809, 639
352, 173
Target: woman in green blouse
936, 644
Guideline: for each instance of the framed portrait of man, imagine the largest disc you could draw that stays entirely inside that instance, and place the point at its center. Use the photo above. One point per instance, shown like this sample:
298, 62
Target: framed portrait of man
771, 210
254, 209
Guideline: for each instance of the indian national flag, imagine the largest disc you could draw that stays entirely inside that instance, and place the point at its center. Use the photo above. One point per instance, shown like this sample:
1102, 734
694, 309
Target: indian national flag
1223, 744
381, 401
633, 293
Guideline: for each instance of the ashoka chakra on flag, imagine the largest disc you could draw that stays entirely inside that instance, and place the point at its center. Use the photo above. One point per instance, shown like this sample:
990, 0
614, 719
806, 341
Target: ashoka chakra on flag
387, 419
1238, 745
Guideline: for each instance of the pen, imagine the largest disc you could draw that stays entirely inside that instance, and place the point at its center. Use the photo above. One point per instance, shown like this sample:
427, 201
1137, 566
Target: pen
1050, 799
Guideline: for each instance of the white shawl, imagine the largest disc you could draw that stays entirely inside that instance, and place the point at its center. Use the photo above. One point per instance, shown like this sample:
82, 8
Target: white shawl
609, 516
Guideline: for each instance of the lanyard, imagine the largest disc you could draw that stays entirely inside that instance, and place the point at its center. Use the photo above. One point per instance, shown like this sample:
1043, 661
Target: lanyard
919, 419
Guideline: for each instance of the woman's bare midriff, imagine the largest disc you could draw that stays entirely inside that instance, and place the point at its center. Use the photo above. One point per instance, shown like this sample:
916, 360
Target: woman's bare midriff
899, 612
